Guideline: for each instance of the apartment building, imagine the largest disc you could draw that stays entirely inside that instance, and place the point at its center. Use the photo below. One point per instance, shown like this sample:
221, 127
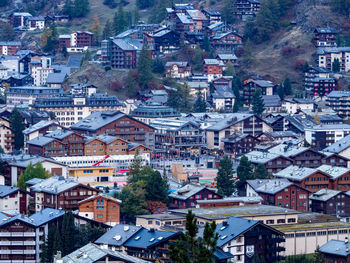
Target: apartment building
321, 136
149, 113
251, 85
339, 101
9, 48
70, 109
13, 198
245, 9
325, 37
177, 69
77, 41
326, 56
212, 68
6, 138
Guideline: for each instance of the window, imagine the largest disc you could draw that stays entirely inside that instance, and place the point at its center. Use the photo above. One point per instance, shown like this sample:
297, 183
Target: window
99, 216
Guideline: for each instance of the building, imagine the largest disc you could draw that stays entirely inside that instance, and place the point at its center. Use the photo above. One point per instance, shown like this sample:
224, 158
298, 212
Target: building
321, 136
226, 42
41, 128
326, 56
311, 74
212, 68
148, 113
325, 37
116, 123
13, 198
340, 147
9, 48
251, 85
223, 98
213, 15
78, 40
338, 101
330, 202
161, 221
19, 19
45, 147
92, 253
231, 201
272, 103
322, 86
245, 9
73, 142
292, 106
101, 208
177, 70
36, 23
336, 251
6, 137
178, 137
187, 196
225, 58
57, 192
22, 236
279, 192
162, 41
27, 95
237, 145
70, 109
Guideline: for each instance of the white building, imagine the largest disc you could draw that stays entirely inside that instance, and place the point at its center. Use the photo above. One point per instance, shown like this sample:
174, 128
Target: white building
326, 57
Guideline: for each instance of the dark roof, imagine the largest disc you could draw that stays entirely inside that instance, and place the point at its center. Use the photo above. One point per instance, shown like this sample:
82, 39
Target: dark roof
326, 30
54, 78
74, 61
118, 235
272, 101
187, 191
223, 92
7, 190
40, 141
97, 120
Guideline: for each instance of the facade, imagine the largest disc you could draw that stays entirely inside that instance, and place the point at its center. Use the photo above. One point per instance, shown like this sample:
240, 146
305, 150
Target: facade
325, 37
212, 68
116, 123
57, 192
177, 70
70, 109
223, 98
339, 101
322, 86
326, 56
187, 196
19, 19
41, 128
292, 106
36, 23
13, 198
245, 9
6, 137
162, 41
148, 113
237, 145
9, 48
226, 42
101, 208
251, 85
311, 74
76, 41
279, 192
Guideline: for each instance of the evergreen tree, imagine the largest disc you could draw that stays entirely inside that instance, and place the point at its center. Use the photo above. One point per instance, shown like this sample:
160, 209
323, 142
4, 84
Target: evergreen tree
51, 245
68, 8
287, 87
158, 66
64, 53
185, 98
17, 126
192, 249
120, 23
224, 179
247, 55
31, 172
260, 172
1, 150
280, 92
131, 84
336, 65
81, 8
317, 257
174, 98
108, 30
7, 33
244, 171
144, 68
230, 70
198, 59
227, 12
258, 106
206, 44
143, 4
135, 16
3, 3
135, 167
68, 237
157, 188
200, 105
340, 6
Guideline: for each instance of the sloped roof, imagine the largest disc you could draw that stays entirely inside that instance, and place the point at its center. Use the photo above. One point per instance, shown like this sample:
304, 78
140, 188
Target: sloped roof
40, 141
74, 61
336, 247
339, 146
324, 195
38, 126
118, 235
187, 191
54, 78
295, 173
54, 185
269, 186
272, 101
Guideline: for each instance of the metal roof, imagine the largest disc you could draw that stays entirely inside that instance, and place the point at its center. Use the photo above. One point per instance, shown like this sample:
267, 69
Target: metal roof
326, 30
339, 94
261, 157
118, 235
328, 127
54, 78
213, 62
40, 141
324, 195
188, 190
54, 185
333, 171
295, 173
336, 247
74, 61
269, 186
229, 120
6, 190
223, 92
272, 101
196, 14
227, 56
38, 126
59, 134
339, 146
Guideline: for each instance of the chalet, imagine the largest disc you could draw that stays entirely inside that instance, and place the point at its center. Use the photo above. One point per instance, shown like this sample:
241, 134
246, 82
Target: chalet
101, 208
251, 85
245, 9
19, 20
341, 147
226, 43
311, 74
330, 202
73, 142
223, 98
177, 70
279, 192
162, 41
212, 68
187, 196
237, 145
40, 129
148, 113
7, 137
217, 29
116, 123
323, 86
45, 147
340, 176
338, 101
57, 192
9, 48
293, 106
275, 121
336, 251
196, 87
277, 137
13, 198
213, 15
36, 23
198, 18
225, 58
325, 37
272, 103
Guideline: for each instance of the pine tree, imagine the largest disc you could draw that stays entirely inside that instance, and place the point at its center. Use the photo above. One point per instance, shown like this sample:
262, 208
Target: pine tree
185, 96
158, 66
206, 44
17, 126
68, 8
244, 171
157, 188
230, 70
120, 22
200, 104
1, 150
258, 103
224, 179
7, 33
144, 68
68, 237
135, 167
336, 65
317, 257
287, 87
260, 172
135, 16
31, 172
108, 30
3, 3
227, 12
81, 8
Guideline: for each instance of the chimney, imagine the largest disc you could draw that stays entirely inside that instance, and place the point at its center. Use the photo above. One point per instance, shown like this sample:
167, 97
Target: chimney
58, 257
346, 240
85, 255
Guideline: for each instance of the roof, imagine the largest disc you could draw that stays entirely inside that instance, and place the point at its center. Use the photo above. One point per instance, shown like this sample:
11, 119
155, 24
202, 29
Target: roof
196, 14
336, 247
10, 43
213, 62
74, 61
118, 235
269, 186
295, 173
261, 157
184, 18
148, 238
326, 127
339, 94
223, 92
227, 56
46, 215
128, 44
172, 125
272, 101
300, 122
339, 146
54, 185
164, 216
38, 126
54, 78
212, 12
262, 83
187, 191
40, 141
155, 111
228, 121
323, 51
92, 253
59, 134
101, 196
323, 195
287, 150
243, 199
326, 30
333, 171
178, 63
7, 190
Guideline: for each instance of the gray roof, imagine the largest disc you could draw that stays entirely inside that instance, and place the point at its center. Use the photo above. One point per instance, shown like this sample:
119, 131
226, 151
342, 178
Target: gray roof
287, 150
38, 126
301, 122
196, 14
339, 146
92, 253
295, 173
128, 44
230, 120
339, 94
178, 63
336, 247
10, 43
323, 51
223, 92
5, 190
260, 157
324, 195
40, 141
74, 61
187, 191
118, 235
97, 120
54, 185
24, 160
213, 62
184, 18
227, 56
330, 127
333, 171
59, 134
272, 101
172, 124
326, 30
46, 215
269, 186
54, 78
263, 83
243, 199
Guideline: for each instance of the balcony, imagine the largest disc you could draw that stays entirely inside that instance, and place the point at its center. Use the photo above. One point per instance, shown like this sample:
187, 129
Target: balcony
29, 243
29, 234
17, 234
5, 243
5, 234
17, 243
17, 252
29, 252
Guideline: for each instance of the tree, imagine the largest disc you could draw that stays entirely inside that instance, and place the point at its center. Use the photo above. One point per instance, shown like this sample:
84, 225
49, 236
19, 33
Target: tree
17, 126
108, 30
144, 68
317, 257
64, 53
51, 245
158, 66
68, 237
244, 171
340, 6
1, 150
81, 8
68, 8
120, 23
7, 33
224, 178
336, 65
135, 167
96, 30
131, 84
197, 59
48, 40
192, 249
287, 87
258, 103
260, 172
157, 188
143, 4
206, 44
110, 3
31, 172
230, 70
199, 105
227, 12
247, 55
3, 3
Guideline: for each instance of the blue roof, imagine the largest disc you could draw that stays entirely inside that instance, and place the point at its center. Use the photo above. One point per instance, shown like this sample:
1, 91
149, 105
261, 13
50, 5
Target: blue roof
118, 235
219, 254
336, 247
6, 190
46, 215
147, 238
